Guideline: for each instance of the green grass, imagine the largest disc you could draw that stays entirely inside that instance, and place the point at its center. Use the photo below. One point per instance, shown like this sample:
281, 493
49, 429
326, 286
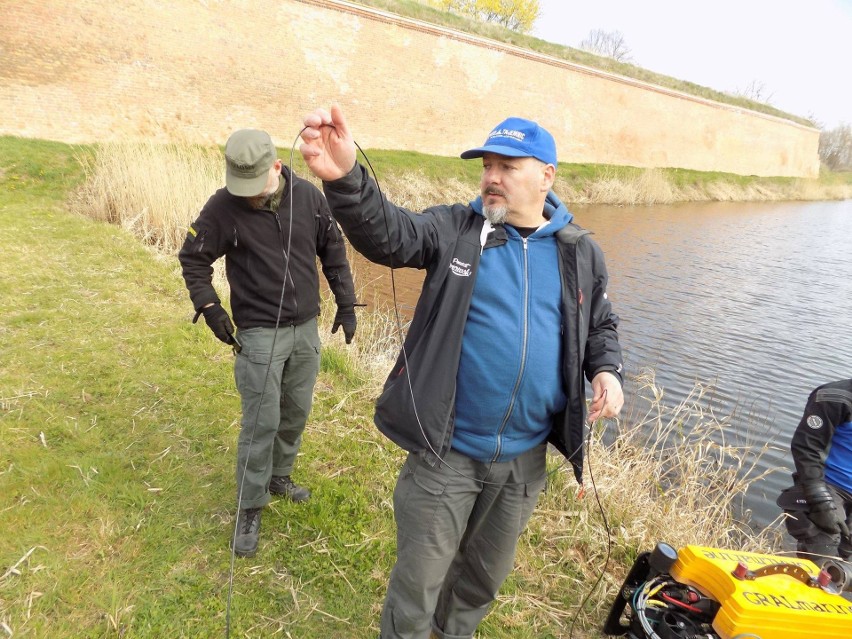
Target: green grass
391, 165
835, 177
38, 168
399, 163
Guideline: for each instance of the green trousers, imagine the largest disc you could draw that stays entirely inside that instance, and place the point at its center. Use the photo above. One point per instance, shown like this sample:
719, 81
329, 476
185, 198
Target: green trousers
458, 523
275, 373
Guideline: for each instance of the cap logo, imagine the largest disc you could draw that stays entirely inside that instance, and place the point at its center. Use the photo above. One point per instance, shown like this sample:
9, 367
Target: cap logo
814, 421
244, 169
508, 133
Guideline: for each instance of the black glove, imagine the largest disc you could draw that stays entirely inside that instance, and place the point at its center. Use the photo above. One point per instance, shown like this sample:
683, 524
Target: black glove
218, 321
821, 509
345, 317
826, 518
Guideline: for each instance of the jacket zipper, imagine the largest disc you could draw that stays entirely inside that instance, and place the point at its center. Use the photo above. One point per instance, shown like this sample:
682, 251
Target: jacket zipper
525, 335
286, 264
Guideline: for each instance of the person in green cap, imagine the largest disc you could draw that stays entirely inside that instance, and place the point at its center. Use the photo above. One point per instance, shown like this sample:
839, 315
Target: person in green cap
271, 226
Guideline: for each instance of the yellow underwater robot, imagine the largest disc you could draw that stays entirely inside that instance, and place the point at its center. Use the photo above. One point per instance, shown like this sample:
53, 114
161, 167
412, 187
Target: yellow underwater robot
708, 593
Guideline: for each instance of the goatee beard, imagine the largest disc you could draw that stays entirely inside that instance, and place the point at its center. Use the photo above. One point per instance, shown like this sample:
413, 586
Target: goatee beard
495, 214
257, 201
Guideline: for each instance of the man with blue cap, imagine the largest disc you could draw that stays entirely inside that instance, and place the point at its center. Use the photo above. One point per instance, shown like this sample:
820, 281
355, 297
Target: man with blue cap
513, 314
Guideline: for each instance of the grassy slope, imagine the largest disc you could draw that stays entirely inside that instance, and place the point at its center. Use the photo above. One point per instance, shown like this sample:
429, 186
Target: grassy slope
417, 180
126, 497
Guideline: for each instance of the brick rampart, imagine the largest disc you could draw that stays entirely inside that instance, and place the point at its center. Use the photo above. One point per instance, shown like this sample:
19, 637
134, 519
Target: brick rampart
94, 70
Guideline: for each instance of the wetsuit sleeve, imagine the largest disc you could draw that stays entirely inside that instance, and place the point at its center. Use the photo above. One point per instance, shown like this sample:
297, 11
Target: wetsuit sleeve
603, 351
331, 250
381, 231
205, 243
827, 408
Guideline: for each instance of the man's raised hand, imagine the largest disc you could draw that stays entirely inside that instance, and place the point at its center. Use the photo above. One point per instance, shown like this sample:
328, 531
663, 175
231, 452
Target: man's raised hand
327, 145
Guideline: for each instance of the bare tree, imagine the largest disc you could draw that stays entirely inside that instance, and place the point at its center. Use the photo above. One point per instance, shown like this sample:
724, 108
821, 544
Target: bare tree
835, 148
610, 44
517, 15
756, 91
814, 120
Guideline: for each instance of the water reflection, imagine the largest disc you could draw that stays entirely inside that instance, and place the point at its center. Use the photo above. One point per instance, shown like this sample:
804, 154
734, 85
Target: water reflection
755, 298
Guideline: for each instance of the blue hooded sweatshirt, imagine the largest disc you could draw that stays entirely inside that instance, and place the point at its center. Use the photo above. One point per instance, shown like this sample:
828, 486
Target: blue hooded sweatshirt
509, 381
838, 464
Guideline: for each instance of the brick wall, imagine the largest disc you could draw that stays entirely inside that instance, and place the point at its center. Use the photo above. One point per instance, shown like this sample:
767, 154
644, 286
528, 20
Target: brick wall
90, 70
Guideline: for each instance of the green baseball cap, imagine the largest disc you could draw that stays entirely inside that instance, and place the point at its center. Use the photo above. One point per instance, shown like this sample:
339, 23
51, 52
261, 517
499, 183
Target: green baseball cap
249, 154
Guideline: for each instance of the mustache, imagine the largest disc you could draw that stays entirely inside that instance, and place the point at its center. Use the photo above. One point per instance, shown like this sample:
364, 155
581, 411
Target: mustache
493, 190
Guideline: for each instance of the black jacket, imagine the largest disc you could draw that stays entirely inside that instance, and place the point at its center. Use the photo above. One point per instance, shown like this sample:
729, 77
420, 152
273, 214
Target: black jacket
393, 236
826, 419
255, 244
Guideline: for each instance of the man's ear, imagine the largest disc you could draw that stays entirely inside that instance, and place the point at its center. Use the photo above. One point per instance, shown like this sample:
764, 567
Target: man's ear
548, 177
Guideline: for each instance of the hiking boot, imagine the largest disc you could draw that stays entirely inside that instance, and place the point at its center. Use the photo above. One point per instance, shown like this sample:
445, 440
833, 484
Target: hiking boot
248, 529
285, 486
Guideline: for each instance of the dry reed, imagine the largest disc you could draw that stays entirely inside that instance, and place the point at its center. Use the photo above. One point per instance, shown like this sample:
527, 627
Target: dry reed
415, 192
650, 186
152, 190
653, 186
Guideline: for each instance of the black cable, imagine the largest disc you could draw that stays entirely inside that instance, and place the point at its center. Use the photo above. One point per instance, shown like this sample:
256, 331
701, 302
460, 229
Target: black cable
608, 536
286, 257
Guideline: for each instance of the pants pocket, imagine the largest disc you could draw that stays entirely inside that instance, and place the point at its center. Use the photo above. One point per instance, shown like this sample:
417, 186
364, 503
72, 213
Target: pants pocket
532, 490
418, 495
250, 371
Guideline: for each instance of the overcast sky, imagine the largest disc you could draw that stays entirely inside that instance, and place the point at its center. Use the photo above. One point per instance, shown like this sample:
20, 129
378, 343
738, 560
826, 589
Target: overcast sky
799, 50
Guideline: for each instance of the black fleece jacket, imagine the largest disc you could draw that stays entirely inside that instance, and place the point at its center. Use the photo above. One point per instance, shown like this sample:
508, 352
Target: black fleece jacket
260, 247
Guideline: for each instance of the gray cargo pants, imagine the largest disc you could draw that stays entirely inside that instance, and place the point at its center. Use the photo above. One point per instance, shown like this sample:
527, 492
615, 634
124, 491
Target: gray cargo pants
458, 525
271, 430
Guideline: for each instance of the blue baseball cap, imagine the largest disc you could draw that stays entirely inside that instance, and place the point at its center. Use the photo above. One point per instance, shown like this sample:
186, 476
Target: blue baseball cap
517, 138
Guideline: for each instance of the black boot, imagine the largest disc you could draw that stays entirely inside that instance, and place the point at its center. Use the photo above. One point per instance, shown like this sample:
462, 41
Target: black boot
248, 530
285, 486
